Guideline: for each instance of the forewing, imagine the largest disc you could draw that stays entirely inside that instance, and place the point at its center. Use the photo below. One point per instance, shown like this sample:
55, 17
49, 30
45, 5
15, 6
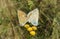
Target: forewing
22, 18
33, 17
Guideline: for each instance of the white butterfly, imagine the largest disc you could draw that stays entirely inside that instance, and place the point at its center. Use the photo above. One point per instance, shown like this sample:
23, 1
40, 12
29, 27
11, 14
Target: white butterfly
31, 17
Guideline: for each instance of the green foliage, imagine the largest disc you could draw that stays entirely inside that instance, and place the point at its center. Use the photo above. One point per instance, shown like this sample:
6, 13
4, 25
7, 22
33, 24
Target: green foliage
49, 19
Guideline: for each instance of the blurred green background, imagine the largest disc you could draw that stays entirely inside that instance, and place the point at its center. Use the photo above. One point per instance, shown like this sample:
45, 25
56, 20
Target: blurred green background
49, 19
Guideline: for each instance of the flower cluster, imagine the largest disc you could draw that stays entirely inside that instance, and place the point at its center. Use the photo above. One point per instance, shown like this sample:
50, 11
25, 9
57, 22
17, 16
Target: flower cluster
32, 30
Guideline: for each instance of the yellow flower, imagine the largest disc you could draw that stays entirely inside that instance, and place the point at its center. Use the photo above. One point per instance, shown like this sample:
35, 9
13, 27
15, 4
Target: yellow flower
34, 27
26, 26
30, 29
33, 33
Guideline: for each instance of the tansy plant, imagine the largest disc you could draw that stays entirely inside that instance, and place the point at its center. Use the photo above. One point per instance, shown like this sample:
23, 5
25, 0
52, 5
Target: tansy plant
31, 29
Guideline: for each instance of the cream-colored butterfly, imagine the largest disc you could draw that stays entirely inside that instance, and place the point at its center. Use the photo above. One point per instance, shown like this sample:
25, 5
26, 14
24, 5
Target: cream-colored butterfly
31, 17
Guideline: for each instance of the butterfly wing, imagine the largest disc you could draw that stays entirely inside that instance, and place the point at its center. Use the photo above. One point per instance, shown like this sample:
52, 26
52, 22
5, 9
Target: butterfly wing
22, 17
33, 17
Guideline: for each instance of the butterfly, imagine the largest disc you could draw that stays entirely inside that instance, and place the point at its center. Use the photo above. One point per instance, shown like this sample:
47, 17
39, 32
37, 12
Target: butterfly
31, 17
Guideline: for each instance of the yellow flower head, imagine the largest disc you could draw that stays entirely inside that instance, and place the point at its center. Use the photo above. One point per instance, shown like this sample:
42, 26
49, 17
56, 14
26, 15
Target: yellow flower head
34, 27
33, 33
30, 29
26, 26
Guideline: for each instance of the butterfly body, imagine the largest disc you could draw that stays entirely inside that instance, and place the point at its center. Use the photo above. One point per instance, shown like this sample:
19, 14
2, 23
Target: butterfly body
31, 17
